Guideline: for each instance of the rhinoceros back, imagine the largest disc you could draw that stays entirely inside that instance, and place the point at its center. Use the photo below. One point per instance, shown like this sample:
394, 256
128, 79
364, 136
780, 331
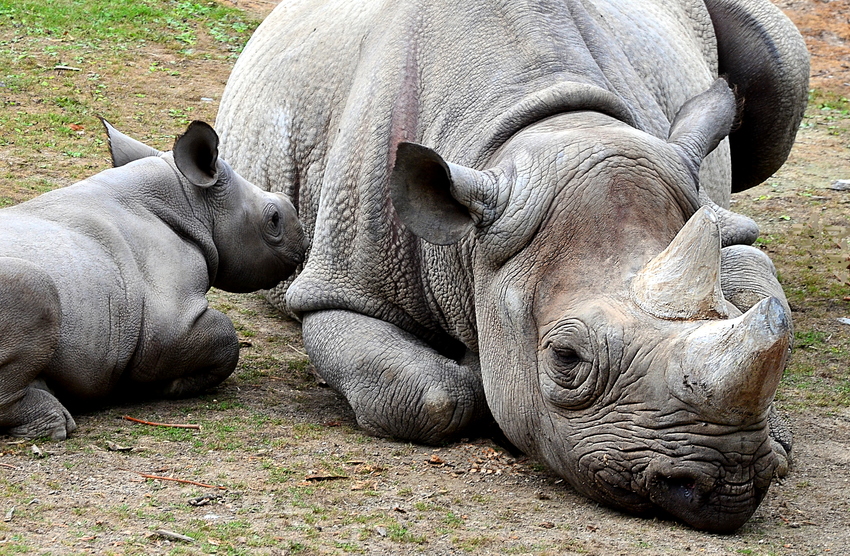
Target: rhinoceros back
324, 92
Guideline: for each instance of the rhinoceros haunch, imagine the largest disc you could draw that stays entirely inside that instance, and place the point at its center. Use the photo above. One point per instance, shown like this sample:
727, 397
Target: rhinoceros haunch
518, 211
102, 283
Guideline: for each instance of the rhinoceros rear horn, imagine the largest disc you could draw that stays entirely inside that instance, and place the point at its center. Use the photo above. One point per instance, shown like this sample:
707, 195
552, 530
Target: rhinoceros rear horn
702, 123
125, 149
683, 281
436, 200
196, 154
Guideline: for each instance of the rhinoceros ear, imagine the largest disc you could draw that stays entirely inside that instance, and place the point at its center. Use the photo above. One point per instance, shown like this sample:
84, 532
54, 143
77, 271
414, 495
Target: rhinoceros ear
702, 123
438, 201
196, 154
124, 149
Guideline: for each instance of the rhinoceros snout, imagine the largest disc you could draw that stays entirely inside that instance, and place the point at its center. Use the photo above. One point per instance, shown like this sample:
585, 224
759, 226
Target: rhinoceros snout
704, 503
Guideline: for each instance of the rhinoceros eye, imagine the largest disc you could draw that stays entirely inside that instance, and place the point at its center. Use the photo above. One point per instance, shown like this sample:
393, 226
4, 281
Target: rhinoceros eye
272, 220
567, 358
570, 377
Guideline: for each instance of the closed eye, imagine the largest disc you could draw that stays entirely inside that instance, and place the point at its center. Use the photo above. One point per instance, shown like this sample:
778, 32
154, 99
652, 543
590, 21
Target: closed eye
567, 358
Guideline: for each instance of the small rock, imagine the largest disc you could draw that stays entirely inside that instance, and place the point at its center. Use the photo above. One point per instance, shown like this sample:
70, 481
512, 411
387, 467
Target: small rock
381, 531
840, 185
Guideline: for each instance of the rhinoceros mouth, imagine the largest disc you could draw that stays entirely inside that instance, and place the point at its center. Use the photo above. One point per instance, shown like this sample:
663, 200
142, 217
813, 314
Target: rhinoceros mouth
722, 509
701, 496
717, 492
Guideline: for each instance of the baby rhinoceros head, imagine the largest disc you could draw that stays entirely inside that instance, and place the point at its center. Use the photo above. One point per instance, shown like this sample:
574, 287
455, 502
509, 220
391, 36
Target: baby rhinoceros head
256, 233
257, 237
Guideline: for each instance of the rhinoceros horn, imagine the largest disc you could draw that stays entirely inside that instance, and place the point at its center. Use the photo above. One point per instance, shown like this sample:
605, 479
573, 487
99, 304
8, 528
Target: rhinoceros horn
730, 369
683, 281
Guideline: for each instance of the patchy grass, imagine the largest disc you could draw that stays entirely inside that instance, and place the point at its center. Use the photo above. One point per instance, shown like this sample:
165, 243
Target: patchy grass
806, 231
66, 62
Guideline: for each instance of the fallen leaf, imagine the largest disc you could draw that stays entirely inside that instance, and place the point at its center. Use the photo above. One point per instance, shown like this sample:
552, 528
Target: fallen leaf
363, 485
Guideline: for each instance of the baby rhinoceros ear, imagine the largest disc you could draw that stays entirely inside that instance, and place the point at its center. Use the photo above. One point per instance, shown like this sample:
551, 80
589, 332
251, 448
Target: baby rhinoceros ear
196, 154
124, 149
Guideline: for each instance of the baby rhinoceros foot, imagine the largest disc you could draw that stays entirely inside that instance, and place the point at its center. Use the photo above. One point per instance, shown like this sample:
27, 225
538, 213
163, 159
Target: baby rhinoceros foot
39, 414
29, 334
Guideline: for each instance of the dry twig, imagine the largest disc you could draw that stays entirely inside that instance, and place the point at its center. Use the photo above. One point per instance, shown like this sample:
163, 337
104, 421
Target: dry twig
154, 424
172, 535
174, 479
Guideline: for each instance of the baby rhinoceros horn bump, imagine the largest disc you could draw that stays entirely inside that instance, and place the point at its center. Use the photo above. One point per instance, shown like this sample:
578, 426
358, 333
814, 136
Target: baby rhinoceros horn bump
683, 281
731, 368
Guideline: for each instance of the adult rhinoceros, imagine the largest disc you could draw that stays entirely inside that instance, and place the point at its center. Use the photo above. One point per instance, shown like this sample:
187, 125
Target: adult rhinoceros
497, 195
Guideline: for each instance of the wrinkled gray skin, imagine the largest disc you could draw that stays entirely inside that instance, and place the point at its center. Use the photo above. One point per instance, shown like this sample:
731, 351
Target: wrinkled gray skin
102, 283
497, 196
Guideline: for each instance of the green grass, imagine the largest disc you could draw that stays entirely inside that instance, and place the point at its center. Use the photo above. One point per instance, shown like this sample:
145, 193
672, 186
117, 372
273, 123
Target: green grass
828, 111
121, 24
64, 62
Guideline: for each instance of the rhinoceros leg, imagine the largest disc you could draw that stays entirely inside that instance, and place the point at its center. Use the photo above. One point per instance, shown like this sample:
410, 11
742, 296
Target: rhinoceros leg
205, 355
747, 276
29, 334
397, 385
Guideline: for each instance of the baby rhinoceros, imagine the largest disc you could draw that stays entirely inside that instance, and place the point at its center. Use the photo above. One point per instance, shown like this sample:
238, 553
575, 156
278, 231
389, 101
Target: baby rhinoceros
102, 283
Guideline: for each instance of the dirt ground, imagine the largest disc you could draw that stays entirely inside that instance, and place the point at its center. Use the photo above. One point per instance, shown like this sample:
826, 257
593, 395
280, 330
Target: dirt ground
279, 467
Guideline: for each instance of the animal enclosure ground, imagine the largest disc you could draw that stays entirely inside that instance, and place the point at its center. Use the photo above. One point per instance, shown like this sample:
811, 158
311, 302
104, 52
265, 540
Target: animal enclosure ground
287, 471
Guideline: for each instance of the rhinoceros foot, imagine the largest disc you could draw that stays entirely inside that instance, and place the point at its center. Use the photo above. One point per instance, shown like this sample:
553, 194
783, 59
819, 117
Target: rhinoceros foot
397, 385
39, 414
781, 440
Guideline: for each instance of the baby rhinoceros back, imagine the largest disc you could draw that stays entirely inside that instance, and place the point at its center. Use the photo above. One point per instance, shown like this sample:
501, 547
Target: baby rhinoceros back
103, 283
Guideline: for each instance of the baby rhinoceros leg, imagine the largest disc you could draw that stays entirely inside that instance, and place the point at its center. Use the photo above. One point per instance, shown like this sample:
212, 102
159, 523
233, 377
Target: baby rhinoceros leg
30, 315
204, 355
397, 385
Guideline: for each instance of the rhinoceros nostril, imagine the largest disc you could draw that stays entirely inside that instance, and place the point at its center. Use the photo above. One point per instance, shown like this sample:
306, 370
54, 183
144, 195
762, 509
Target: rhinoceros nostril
701, 501
678, 490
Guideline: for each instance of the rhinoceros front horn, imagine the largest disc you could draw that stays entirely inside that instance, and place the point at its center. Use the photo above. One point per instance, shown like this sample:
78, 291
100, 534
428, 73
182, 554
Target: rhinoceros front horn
730, 369
683, 281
